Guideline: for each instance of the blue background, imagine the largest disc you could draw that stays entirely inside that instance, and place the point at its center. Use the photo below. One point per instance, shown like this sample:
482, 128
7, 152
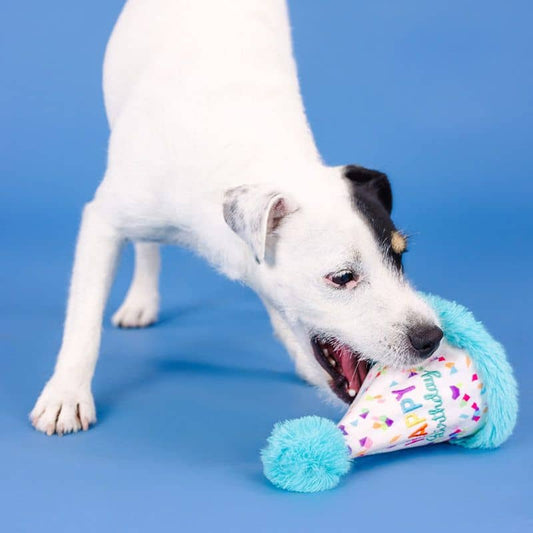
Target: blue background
439, 95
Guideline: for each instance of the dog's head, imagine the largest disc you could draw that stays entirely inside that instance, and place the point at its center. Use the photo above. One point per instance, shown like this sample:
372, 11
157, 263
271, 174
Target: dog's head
328, 265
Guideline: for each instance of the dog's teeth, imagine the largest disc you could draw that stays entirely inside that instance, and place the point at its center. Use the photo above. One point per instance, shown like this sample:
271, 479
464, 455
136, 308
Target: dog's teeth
332, 361
325, 352
352, 393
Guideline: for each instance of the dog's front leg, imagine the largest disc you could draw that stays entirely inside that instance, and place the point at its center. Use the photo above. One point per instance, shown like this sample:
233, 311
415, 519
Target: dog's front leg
66, 403
283, 332
141, 305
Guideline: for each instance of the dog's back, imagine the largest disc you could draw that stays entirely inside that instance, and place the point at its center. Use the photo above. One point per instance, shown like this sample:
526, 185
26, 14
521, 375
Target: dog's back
202, 93
199, 55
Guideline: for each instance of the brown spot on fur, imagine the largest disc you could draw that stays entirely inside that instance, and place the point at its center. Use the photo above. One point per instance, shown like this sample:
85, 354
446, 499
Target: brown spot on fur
398, 242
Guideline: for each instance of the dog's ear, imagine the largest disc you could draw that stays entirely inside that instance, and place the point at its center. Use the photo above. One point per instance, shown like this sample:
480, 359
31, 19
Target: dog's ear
370, 183
254, 214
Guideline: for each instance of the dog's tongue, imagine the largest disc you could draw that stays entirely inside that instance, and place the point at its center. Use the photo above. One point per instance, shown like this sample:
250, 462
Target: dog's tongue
353, 369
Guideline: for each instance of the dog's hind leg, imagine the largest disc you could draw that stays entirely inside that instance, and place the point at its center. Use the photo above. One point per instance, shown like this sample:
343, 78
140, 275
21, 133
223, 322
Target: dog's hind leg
141, 305
66, 402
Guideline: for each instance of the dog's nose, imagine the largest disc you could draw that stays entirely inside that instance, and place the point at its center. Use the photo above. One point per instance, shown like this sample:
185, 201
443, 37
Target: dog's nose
425, 339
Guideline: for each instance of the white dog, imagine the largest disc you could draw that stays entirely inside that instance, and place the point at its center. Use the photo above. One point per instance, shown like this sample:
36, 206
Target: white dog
210, 148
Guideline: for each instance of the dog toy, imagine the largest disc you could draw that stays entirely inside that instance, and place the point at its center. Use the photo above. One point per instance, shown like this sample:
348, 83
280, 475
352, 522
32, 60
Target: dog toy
464, 394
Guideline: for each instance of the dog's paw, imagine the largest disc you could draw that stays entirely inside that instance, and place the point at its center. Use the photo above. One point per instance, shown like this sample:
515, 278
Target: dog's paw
63, 410
136, 312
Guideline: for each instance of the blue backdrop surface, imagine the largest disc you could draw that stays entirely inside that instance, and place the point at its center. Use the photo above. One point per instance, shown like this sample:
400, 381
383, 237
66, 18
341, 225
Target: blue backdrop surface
437, 95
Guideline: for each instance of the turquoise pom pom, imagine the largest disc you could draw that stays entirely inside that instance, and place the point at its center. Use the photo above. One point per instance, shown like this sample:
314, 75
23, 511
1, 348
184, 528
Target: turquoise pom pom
307, 454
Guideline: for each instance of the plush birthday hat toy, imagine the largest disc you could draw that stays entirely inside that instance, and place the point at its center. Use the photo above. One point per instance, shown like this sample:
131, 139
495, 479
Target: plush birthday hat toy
464, 394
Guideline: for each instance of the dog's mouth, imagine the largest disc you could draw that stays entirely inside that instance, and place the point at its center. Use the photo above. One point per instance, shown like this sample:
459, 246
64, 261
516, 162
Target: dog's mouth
346, 367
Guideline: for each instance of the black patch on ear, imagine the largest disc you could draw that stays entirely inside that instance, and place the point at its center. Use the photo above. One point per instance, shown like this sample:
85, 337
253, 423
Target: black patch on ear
372, 197
372, 182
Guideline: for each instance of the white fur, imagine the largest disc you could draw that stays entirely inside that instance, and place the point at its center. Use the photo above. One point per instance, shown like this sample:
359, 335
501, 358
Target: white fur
141, 305
202, 97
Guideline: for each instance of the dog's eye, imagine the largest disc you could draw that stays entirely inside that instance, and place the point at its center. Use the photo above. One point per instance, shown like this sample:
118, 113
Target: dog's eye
343, 279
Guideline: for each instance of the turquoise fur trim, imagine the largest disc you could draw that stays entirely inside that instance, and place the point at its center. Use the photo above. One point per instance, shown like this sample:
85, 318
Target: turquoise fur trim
305, 455
462, 330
